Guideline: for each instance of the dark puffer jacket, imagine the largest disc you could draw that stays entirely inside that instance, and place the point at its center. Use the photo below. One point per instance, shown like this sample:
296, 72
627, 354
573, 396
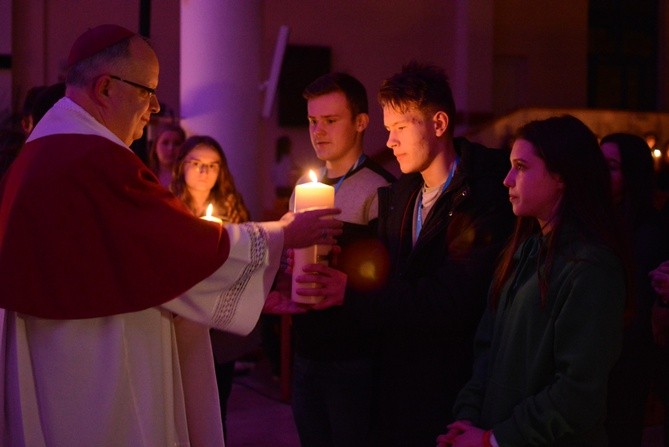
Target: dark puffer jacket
425, 315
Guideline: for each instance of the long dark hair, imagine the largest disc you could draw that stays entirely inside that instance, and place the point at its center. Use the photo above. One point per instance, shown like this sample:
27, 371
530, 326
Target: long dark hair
154, 163
569, 149
636, 165
224, 195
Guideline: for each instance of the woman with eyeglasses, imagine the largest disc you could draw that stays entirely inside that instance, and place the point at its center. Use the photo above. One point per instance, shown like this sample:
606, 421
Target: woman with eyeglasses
202, 177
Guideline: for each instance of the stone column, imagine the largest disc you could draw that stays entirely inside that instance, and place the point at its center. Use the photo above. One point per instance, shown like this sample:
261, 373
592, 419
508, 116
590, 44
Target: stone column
220, 79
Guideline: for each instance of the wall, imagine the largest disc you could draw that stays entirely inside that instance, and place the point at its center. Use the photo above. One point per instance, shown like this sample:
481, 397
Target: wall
540, 54
663, 57
500, 55
165, 40
5, 49
372, 40
43, 32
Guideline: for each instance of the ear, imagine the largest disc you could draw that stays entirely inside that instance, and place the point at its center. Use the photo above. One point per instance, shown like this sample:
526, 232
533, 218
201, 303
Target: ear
441, 122
101, 89
560, 182
361, 122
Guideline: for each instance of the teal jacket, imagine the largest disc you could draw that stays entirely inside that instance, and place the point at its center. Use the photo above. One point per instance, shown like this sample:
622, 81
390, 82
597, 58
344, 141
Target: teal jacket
541, 372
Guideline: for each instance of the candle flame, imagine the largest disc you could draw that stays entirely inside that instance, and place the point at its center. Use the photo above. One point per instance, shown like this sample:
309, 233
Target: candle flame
312, 176
657, 153
210, 210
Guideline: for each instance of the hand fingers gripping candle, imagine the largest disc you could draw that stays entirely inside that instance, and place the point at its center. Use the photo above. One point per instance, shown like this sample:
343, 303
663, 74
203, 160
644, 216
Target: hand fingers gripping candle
310, 196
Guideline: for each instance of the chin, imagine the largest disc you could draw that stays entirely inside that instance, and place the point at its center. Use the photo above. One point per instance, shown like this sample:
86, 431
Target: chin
322, 155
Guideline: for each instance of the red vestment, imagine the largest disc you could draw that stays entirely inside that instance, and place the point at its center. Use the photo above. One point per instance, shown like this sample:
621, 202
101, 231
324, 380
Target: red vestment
87, 231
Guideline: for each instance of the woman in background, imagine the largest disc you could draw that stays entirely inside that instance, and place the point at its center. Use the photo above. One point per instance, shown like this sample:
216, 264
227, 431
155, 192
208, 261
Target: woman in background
202, 177
553, 327
631, 168
164, 149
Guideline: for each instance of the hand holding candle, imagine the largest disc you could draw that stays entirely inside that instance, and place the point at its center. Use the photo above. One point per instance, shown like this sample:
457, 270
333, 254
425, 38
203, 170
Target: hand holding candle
331, 284
307, 228
310, 196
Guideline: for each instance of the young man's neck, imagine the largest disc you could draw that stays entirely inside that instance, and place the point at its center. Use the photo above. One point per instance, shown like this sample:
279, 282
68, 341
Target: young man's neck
339, 167
437, 173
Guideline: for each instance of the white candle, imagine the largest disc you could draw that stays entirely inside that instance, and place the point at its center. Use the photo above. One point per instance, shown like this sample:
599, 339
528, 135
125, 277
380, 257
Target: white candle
209, 215
657, 158
310, 196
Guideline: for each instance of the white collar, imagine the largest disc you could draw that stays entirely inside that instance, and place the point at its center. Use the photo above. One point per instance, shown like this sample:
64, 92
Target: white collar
68, 117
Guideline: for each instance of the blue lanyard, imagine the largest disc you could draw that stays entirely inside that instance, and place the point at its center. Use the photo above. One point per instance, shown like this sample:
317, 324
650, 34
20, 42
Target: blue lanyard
357, 163
419, 214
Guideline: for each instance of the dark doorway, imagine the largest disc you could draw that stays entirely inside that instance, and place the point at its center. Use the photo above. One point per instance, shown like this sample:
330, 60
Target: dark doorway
623, 54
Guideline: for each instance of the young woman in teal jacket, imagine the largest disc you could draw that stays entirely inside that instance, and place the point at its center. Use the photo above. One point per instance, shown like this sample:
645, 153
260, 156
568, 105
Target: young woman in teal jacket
553, 327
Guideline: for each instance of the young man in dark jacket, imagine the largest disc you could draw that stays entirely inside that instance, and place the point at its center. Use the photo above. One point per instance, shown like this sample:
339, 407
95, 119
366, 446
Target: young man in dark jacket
332, 364
443, 223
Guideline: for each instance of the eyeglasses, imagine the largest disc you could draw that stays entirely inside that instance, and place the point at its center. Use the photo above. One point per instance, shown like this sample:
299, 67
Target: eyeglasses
204, 167
149, 90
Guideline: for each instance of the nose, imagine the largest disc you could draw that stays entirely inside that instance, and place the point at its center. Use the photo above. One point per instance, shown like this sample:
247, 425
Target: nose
317, 129
392, 141
510, 179
154, 105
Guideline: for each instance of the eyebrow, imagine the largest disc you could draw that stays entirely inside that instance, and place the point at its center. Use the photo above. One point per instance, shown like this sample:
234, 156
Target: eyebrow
402, 121
323, 116
199, 159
